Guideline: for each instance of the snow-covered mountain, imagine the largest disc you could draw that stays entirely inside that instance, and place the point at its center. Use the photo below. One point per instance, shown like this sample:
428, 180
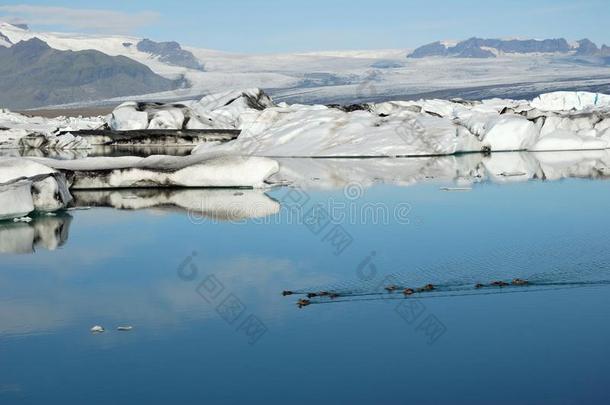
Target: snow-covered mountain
32, 74
162, 57
346, 76
491, 48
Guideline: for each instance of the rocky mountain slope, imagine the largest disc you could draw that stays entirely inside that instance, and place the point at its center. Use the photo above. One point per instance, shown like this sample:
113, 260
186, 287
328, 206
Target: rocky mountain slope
32, 74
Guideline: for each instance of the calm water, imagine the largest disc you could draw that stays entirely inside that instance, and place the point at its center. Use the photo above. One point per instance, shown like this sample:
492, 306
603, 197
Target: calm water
203, 294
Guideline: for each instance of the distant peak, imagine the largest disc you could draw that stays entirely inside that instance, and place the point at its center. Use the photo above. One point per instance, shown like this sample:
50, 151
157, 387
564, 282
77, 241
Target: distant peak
31, 45
19, 26
476, 47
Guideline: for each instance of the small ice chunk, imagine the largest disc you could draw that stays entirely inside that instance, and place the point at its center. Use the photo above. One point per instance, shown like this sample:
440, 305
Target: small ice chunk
97, 329
125, 328
23, 219
456, 188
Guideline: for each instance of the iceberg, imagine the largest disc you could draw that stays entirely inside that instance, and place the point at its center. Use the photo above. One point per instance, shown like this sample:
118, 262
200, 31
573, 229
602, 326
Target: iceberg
18, 131
216, 111
16, 199
571, 100
27, 186
417, 128
253, 125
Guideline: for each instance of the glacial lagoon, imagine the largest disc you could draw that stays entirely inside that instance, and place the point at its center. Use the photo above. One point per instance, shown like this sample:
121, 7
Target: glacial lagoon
199, 274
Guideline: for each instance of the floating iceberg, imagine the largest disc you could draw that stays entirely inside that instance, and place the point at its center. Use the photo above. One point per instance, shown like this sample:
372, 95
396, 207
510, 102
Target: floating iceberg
16, 199
27, 186
571, 100
18, 131
398, 128
419, 128
216, 111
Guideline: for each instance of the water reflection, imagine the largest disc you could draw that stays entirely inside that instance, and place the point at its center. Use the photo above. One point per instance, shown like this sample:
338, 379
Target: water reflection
463, 169
100, 151
48, 232
199, 204
51, 231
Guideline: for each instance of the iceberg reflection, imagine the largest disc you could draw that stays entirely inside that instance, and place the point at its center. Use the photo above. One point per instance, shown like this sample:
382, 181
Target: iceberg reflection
48, 232
222, 205
499, 167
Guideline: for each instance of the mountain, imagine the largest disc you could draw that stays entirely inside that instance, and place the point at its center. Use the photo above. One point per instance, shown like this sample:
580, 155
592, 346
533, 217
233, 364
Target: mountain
4, 40
170, 53
587, 48
490, 48
32, 74
168, 59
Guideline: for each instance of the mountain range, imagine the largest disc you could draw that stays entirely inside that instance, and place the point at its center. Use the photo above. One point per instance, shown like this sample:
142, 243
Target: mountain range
491, 48
43, 69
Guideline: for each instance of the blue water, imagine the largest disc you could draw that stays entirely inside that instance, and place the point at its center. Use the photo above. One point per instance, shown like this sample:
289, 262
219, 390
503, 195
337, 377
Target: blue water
236, 339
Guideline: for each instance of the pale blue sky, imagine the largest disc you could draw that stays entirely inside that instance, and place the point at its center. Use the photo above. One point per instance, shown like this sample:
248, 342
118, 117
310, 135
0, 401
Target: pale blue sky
286, 25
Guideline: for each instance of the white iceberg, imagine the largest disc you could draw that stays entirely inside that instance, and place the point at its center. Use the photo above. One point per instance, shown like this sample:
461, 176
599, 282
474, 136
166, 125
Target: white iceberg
216, 111
27, 186
19, 131
417, 128
570, 100
16, 199
565, 140
128, 117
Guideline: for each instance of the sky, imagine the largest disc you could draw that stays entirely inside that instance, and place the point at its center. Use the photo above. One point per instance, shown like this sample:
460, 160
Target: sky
276, 26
